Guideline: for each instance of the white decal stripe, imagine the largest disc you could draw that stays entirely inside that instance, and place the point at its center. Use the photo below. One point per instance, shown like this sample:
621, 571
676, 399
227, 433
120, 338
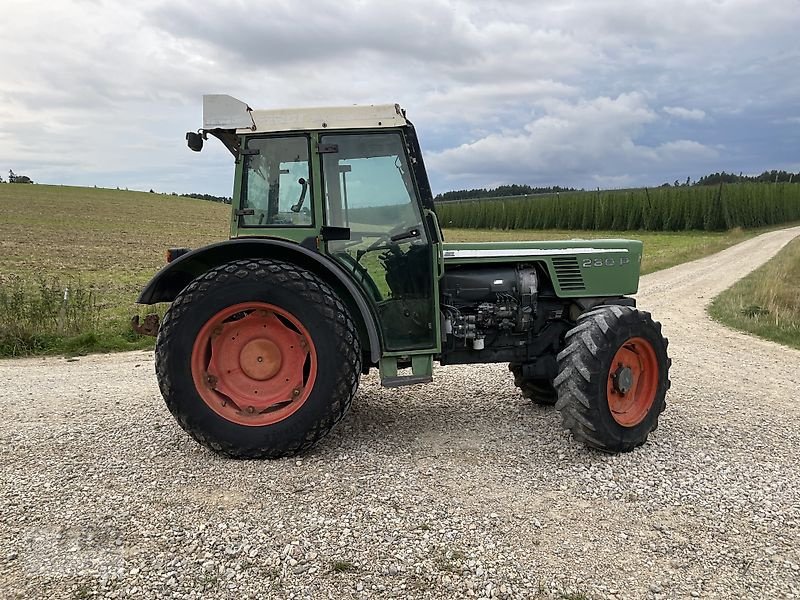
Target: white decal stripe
507, 252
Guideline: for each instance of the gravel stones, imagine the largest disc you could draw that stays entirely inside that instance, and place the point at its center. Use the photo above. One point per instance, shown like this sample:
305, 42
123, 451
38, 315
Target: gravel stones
455, 489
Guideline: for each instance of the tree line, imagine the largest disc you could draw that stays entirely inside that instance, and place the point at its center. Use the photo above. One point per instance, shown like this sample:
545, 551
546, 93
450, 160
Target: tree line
14, 178
501, 191
209, 197
706, 207
773, 176
504, 191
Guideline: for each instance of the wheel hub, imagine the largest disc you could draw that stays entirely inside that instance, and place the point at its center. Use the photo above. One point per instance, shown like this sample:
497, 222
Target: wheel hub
254, 363
260, 359
622, 379
632, 381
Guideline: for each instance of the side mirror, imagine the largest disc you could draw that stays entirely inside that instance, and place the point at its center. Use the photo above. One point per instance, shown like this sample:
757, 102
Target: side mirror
194, 140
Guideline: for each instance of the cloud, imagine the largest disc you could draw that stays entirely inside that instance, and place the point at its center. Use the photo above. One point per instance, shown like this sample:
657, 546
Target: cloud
685, 150
689, 114
563, 91
579, 140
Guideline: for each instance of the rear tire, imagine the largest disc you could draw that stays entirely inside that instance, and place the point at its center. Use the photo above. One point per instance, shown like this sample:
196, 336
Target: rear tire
258, 359
613, 378
538, 391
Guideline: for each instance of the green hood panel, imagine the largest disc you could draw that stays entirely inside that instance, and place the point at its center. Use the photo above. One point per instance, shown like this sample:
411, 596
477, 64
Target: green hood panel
578, 268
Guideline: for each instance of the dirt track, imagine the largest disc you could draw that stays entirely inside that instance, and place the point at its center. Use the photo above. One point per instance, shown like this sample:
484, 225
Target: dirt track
454, 489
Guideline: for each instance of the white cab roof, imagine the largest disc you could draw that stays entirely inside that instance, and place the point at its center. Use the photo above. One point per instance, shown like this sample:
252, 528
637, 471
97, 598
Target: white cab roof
225, 112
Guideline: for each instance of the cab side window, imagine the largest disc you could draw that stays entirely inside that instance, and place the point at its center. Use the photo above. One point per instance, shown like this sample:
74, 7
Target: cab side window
277, 187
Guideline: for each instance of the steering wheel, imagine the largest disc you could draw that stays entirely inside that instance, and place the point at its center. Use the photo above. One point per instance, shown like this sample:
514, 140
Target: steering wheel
396, 234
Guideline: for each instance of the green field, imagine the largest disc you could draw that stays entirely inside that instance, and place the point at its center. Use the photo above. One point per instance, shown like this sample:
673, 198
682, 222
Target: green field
104, 245
697, 208
109, 242
766, 302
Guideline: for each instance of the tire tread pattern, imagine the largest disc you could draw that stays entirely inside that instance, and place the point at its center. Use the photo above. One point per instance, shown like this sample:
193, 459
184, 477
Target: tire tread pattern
580, 374
536, 390
307, 286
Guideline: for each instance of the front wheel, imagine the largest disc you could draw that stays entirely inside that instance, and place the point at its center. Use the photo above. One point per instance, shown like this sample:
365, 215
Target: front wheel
613, 378
538, 391
258, 359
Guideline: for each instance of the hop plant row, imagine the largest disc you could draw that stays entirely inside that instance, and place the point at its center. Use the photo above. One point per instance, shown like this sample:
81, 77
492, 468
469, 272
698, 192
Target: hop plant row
709, 208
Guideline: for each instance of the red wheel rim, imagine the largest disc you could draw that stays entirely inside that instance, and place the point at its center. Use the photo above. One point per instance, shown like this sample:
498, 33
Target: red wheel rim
632, 382
254, 363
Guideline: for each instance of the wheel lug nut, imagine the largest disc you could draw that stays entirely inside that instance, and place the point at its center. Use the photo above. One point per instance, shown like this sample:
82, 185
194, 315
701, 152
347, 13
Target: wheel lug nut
251, 409
296, 392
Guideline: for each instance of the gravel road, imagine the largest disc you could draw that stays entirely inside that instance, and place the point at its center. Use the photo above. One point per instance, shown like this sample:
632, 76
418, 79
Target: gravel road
456, 489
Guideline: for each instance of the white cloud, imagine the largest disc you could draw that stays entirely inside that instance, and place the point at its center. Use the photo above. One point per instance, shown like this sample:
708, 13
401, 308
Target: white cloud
564, 90
597, 137
678, 150
689, 114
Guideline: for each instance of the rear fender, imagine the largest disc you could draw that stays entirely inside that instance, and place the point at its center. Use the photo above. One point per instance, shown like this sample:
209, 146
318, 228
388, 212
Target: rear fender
175, 276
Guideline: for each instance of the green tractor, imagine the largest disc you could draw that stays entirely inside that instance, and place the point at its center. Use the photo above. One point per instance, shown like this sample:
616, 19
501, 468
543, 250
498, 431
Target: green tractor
336, 264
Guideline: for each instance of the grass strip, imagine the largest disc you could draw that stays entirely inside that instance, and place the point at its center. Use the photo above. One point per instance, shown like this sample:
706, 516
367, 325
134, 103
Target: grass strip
766, 302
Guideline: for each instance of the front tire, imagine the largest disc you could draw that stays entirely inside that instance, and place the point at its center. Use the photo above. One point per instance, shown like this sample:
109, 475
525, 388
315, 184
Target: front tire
613, 378
258, 359
538, 391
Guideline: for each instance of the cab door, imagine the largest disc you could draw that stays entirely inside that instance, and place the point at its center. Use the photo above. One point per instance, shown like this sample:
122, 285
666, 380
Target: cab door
371, 203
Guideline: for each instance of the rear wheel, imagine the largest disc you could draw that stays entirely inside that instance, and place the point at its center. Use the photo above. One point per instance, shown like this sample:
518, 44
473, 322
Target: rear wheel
258, 359
613, 378
538, 391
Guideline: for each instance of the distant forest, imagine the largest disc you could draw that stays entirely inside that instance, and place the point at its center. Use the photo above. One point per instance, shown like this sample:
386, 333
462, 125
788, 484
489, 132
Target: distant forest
499, 191
765, 177
526, 190
223, 199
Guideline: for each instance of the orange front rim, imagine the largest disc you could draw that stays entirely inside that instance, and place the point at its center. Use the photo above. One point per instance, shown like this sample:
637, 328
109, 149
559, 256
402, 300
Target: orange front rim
632, 382
254, 363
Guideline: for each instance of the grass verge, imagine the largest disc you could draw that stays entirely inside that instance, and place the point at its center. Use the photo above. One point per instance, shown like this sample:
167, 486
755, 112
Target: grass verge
766, 302
101, 246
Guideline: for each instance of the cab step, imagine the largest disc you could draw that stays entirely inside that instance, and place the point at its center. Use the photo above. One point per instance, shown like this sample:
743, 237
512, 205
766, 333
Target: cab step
400, 381
421, 371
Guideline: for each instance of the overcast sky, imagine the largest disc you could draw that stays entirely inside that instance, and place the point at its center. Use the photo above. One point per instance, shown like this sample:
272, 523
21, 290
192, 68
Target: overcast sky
590, 93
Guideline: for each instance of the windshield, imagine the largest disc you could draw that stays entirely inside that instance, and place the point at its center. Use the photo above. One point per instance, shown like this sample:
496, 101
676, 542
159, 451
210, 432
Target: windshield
367, 184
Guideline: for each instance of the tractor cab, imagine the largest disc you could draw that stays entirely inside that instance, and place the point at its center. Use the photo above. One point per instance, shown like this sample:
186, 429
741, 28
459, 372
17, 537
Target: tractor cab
350, 183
